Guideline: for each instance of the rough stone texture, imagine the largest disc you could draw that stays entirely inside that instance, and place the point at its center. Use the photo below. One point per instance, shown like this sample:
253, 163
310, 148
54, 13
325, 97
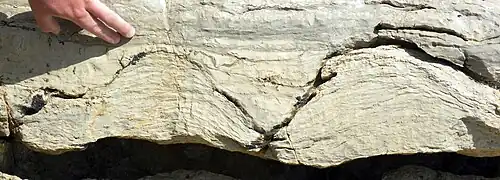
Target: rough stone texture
4, 176
422, 173
305, 81
388, 100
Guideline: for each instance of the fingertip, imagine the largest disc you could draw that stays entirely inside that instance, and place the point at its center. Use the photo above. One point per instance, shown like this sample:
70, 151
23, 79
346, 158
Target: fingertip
111, 18
130, 33
56, 29
115, 40
48, 24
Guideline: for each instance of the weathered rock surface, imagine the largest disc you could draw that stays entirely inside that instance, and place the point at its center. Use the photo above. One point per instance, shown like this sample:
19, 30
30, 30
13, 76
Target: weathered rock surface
422, 173
4, 176
310, 82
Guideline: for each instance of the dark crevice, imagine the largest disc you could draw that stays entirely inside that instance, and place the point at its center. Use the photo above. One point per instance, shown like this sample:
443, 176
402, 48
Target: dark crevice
132, 60
319, 80
497, 109
61, 94
269, 136
240, 107
234, 101
13, 25
123, 159
468, 12
37, 103
422, 55
405, 6
289, 9
382, 26
278, 8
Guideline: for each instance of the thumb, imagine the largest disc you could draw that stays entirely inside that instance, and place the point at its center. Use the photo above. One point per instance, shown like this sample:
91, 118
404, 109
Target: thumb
47, 23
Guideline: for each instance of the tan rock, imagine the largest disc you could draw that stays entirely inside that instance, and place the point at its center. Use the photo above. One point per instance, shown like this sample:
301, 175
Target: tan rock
389, 100
234, 74
4, 176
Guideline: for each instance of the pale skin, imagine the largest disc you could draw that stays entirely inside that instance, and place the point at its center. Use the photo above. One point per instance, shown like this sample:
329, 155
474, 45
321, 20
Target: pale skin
91, 15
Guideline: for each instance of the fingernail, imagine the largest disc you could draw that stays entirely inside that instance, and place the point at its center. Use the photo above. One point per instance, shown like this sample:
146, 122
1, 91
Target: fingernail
130, 33
115, 40
56, 31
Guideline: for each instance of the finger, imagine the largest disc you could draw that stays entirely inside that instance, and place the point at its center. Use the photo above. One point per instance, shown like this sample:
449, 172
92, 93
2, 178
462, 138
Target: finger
47, 23
113, 20
96, 27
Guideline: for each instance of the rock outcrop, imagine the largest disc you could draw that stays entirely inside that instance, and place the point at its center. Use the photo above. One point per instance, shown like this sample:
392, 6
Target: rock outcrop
4, 176
316, 83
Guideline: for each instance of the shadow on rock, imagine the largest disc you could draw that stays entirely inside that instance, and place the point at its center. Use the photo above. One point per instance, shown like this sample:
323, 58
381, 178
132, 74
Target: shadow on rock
484, 137
3, 16
124, 159
26, 52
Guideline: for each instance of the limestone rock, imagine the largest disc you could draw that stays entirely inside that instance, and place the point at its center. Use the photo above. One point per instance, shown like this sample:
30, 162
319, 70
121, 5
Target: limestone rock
4, 176
423, 173
310, 82
4, 115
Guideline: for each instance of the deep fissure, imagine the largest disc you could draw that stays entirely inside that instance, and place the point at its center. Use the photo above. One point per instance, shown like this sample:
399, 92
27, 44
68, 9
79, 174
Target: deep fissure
37, 103
421, 27
62, 94
427, 57
269, 136
240, 107
405, 6
278, 8
11, 25
133, 60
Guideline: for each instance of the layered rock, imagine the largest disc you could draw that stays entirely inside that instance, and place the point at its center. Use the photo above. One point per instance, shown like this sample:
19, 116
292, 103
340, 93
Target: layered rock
304, 82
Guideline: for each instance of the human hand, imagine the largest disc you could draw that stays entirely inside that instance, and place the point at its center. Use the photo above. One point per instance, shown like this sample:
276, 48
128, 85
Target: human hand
91, 15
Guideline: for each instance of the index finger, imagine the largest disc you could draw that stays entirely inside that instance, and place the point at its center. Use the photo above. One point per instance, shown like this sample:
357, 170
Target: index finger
96, 27
110, 18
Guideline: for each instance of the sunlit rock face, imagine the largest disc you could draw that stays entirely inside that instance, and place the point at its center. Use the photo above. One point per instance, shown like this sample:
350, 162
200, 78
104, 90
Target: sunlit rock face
306, 82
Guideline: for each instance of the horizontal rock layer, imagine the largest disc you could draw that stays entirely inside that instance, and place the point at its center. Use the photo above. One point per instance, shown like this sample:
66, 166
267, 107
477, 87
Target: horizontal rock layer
302, 82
